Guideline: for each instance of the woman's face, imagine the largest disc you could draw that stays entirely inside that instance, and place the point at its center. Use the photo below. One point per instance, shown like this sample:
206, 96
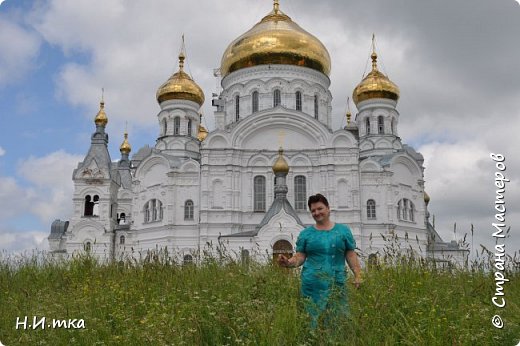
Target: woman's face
320, 212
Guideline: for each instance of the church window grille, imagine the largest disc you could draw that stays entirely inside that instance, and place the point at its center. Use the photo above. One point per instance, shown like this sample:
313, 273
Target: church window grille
316, 107
298, 101
121, 220
188, 210
176, 125
277, 97
255, 101
380, 125
237, 108
165, 127
153, 211
122, 240
259, 193
95, 208
367, 125
371, 209
188, 259
406, 210
300, 192
189, 126
87, 247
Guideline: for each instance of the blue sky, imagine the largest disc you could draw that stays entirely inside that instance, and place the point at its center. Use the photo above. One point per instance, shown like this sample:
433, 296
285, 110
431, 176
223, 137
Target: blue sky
456, 63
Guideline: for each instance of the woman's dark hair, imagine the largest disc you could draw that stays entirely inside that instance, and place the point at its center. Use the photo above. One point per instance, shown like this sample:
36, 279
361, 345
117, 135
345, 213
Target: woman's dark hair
317, 198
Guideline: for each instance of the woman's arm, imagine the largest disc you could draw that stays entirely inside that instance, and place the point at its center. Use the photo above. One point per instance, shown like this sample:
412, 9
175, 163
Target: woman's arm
353, 262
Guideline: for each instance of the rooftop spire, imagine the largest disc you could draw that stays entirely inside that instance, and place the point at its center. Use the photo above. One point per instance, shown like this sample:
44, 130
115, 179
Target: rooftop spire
101, 118
182, 55
276, 6
374, 54
349, 115
125, 147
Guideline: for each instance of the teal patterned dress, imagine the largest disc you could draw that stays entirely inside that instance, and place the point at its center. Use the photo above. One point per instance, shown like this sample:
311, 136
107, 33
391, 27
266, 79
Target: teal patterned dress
323, 275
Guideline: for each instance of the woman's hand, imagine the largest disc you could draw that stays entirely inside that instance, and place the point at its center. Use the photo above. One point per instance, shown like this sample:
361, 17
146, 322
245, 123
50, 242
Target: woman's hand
283, 261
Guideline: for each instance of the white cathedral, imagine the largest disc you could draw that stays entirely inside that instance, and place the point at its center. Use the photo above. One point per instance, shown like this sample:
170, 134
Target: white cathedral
245, 184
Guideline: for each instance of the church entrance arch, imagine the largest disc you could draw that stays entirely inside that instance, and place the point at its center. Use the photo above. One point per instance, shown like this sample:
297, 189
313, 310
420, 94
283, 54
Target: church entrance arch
282, 247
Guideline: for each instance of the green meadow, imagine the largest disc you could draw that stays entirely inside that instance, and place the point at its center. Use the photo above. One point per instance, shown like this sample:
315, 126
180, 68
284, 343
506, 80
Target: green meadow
157, 301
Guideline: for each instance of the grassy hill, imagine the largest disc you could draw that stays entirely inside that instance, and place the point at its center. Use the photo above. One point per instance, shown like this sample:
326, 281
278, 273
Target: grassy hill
219, 302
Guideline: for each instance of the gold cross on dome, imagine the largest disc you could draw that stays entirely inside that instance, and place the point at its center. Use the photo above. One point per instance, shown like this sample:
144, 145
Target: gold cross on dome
276, 6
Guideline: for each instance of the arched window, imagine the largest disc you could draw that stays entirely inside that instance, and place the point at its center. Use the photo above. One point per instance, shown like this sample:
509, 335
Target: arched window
316, 110
298, 101
300, 192
406, 210
121, 219
367, 125
87, 247
95, 208
237, 108
147, 212
380, 125
189, 126
122, 240
165, 126
188, 210
255, 101
89, 206
176, 125
153, 210
371, 209
259, 193
188, 259
277, 97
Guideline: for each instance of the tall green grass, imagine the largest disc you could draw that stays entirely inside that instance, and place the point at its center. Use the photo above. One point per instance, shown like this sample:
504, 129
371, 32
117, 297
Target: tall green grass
156, 301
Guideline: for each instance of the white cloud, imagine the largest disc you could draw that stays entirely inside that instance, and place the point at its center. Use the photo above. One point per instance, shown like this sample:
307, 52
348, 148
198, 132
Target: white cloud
52, 187
20, 48
132, 49
459, 177
2, 151
46, 194
20, 242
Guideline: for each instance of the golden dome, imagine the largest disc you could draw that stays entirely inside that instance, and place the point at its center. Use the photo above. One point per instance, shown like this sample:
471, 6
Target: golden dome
125, 147
203, 133
180, 86
426, 198
280, 166
375, 85
101, 118
276, 39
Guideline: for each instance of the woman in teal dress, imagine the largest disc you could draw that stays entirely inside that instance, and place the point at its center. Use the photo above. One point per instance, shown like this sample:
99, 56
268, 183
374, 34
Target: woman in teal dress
323, 249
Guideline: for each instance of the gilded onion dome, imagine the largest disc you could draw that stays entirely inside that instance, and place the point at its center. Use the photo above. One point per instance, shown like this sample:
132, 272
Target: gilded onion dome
125, 147
203, 133
101, 118
280, 165
426, 198
375, 85
276, 39
180, 86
